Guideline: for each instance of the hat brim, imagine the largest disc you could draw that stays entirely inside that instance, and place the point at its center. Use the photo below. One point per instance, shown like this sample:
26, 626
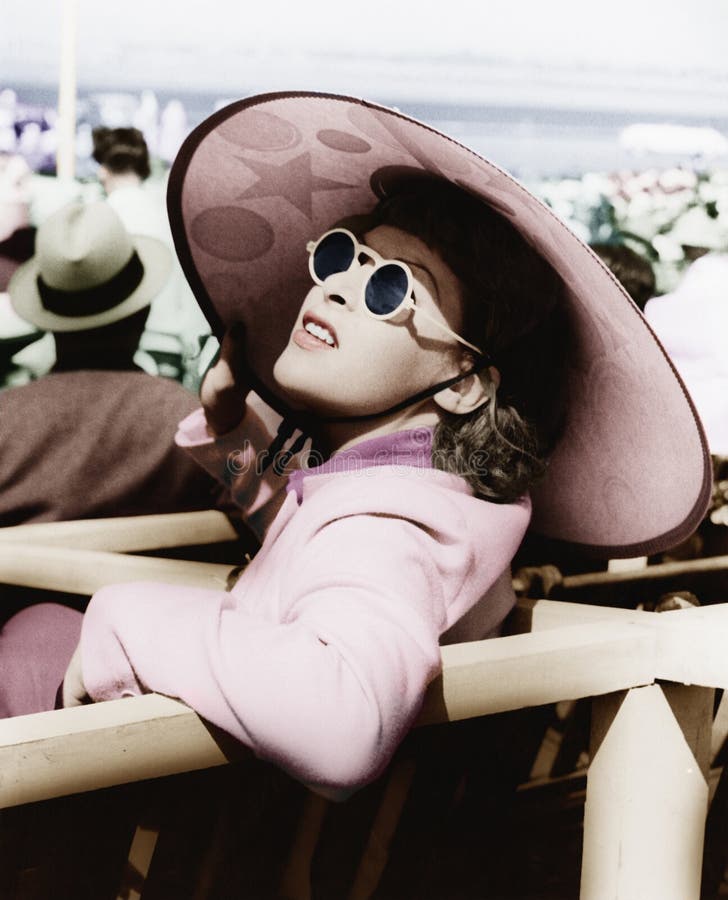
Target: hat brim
156, 259
261, 177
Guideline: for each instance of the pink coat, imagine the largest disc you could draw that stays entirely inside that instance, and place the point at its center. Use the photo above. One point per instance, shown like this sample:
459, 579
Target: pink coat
319, 657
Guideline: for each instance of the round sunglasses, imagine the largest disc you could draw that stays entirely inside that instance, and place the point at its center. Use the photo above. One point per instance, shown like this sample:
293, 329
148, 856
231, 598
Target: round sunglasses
387, 290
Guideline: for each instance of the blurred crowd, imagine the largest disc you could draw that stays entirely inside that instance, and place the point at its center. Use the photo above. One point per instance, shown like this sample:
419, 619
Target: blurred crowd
30, 128
101, 340
123, 176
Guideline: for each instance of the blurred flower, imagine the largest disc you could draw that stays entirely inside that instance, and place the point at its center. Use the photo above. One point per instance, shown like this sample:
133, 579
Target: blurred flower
697, 228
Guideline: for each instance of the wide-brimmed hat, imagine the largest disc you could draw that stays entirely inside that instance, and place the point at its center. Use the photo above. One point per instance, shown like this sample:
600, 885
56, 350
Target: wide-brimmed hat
87, 270
261, 177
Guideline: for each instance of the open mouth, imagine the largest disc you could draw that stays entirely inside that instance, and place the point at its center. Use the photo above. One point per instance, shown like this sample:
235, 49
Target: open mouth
320, 330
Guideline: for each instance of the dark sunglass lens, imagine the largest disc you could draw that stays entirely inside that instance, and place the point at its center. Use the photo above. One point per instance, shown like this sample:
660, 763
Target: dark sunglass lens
386, 289
334, 254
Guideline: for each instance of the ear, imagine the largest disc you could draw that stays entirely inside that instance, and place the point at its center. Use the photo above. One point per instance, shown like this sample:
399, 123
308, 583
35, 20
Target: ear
470, 393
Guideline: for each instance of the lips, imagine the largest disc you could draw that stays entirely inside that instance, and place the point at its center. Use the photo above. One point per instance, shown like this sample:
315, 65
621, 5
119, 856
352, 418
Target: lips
316, 334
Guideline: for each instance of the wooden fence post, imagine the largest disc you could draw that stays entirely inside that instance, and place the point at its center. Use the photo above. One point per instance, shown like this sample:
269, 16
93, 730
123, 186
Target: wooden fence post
66, 153
647, 794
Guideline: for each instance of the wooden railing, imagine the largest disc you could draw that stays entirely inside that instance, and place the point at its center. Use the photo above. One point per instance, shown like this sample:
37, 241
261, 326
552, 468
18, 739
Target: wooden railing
651, 676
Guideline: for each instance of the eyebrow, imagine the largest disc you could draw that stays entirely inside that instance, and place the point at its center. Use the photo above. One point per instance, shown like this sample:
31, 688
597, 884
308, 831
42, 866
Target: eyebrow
418, 265
412, 263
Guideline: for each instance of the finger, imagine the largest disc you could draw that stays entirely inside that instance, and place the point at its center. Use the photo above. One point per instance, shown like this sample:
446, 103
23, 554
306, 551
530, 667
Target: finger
228, 368
232, 349
72, 695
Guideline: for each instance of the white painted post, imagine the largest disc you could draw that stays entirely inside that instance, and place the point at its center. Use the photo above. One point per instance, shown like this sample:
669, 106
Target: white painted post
66, 153
647, 794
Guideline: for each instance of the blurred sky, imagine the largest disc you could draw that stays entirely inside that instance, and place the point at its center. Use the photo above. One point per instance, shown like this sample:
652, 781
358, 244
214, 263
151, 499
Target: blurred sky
219, 44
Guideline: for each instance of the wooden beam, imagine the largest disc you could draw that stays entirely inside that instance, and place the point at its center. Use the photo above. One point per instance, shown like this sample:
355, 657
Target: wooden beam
703, 565
486, 677
574, 651
125, 534
89, 747
647, 794
541, 615
691, 643
85, 571
84, 748
691, 646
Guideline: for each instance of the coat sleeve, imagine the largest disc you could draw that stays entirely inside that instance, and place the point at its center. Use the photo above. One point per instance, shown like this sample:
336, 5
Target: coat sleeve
328, 690
236, 460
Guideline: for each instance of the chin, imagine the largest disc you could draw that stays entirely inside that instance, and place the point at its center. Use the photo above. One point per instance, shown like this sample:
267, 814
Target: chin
306, 384
288, 373
290, 377
307, 394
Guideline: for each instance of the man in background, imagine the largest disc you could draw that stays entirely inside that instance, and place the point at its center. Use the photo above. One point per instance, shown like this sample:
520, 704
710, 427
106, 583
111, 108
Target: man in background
176, 326
95, 436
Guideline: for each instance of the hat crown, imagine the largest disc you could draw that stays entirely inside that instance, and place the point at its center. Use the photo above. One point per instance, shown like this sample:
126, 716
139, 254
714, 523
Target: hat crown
82, 246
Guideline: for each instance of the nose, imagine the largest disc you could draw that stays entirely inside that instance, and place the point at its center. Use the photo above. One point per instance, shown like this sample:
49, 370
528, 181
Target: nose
344, 288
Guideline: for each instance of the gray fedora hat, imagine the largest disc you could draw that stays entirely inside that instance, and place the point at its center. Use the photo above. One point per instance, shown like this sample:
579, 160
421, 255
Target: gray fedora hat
87, 271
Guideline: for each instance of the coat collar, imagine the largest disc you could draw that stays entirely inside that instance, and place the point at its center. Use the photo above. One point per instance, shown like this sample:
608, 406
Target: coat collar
403, 448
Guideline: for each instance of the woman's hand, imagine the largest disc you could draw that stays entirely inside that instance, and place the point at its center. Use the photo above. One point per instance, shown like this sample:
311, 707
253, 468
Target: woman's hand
226, 384
74, 690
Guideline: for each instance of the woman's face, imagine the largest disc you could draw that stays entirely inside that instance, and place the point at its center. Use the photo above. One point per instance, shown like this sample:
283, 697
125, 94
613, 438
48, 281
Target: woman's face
340, 361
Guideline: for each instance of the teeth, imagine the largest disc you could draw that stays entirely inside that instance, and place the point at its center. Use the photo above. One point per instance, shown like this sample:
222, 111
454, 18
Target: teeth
323, 334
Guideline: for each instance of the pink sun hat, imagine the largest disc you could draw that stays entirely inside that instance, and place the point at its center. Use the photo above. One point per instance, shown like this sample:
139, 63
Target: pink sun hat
260, 178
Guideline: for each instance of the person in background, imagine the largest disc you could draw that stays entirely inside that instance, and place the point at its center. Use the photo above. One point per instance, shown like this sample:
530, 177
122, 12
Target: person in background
17, 240
692, 322
175, 327
630, 268
17, 235
94, 437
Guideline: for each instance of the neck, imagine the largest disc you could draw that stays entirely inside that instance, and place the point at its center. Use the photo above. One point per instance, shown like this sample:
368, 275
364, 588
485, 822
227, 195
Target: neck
112, 350
104, 360
334, 437
117, 180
